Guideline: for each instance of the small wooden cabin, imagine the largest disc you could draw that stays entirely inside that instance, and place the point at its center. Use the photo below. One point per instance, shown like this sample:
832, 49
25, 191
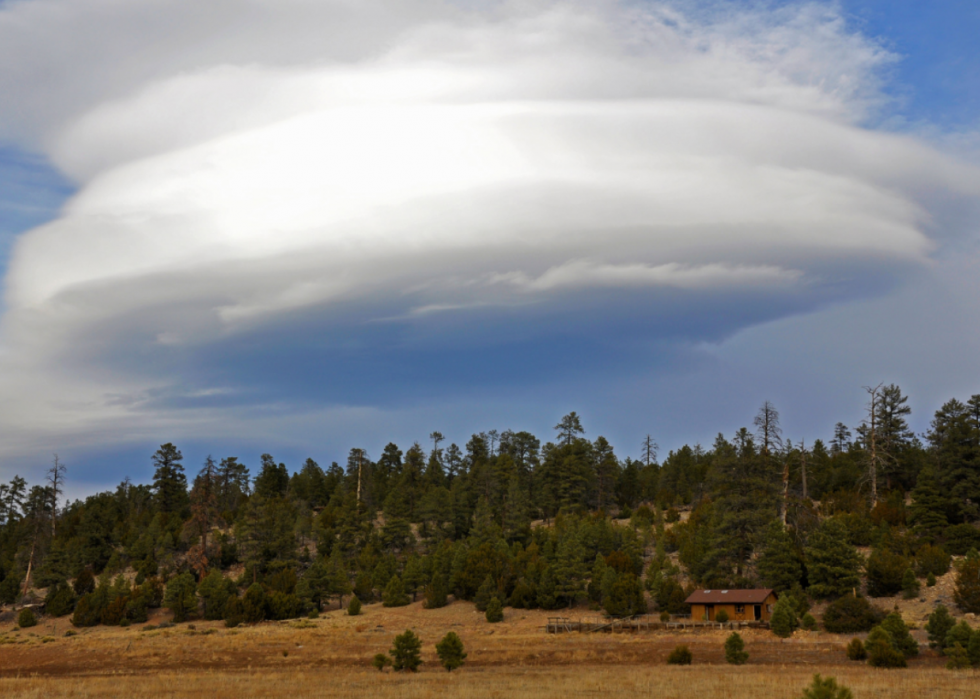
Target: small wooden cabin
740, 605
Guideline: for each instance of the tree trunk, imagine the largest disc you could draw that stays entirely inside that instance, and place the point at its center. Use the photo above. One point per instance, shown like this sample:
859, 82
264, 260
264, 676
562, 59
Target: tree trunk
803, 469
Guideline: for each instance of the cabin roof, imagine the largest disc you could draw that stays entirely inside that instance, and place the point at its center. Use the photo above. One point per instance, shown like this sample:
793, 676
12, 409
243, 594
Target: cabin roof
729, 596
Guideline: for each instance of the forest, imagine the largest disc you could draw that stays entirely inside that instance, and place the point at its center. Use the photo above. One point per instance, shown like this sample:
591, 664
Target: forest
507, 521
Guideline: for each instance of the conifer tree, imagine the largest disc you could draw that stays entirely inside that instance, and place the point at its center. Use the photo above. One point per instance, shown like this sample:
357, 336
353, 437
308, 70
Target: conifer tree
735, 650
832, 563
169, 481
406, 653
569, 569
495, 611
784, 620
927, 513
779, 564
451, 652
967, 592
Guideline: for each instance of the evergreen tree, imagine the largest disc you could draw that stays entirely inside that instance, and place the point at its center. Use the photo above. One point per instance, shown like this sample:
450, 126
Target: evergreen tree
927, 513
181, 597
826, 688
394, 593
780, 566
569, 569
495, 611
169, 481
881, 652
784, 620
406, 653
486, 592
735, 650
832, 563
910, 584
967, 592
901, 639
450, 651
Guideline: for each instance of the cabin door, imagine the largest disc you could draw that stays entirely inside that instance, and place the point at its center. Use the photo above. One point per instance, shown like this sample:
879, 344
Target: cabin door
758, 612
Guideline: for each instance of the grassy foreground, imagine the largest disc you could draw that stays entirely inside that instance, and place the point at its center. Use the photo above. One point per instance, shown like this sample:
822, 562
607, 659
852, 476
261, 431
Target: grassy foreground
704, 682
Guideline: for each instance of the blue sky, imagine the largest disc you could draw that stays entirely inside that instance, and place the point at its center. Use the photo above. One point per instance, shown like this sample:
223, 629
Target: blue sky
655, 216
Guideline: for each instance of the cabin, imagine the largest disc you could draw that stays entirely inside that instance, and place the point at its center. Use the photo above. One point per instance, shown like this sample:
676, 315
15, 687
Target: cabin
740, 605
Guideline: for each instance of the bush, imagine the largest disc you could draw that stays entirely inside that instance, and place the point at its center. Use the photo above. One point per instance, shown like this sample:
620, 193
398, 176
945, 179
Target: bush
354, 607
524, 596
253, 604
87, 611
281, 605
939, 625
681, 655
234, 612
910, 585
665, 617
450, 651
26, 618
180, 596
784, 622
495, 611
902, 640
406, 653
957, 658
670, 597
932, 560
856, 651
808, 622
60, 600
486, 592
394, 593
881, 652
436, 593
967, 592
960, 538
735, 650
961, 633
721, 616
930, 580
826, 688
215, 590
381, 661
84, 582
852, 614
885, 570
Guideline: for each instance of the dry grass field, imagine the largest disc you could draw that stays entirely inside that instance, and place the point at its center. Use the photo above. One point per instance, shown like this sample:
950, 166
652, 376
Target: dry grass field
330, 656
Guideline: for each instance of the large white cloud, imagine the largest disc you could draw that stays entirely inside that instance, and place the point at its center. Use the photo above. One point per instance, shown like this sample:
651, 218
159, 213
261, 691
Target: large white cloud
391, 162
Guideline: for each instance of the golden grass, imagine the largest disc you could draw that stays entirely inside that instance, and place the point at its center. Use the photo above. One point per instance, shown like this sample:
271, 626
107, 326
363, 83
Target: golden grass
695, 682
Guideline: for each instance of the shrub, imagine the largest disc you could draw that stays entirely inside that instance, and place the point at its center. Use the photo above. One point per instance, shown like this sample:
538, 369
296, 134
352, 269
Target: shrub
253, 604
354, 606
394, 593
721, 616
902, 640
960, 633
87, 611
84, 582
960, 538
672, 516
60, 600
524, 596
784, 622
967, 592
181, 596
938, 626
826, 688
808, 622
495, 611
973, 649
215, 590
881, 652
735, 650
670, 597
681, 655
381, 661
406, 653
856, 651
281, 605
930, 580
450, 651
885, 570
665, 617
234, 612
437, 594
114, 611
26, 618
910, 585
486, 592
932, 560
957, 658
851, 614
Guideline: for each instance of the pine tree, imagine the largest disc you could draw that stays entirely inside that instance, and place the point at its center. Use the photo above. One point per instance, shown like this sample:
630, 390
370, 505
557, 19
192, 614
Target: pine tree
833, 565
780, 566
881, 652
451, 652
486, 592
181, 596
901, 638
784, 621
927, 513
569, 569
169, 481
495, 611
939, 624
735, 650
967, 592
394, 593
406, 653
826, 688
910, 584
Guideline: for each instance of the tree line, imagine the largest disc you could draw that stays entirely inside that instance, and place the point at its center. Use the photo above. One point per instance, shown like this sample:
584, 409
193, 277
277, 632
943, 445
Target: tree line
510, 520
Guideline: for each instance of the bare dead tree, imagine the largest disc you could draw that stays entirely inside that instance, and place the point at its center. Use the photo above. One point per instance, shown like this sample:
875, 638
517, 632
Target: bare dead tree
650, 449
871, 438
803, 455
767, 429
359, 453
56, 478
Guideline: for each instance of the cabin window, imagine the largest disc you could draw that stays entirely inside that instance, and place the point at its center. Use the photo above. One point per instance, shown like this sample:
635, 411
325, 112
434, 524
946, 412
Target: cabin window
769, 608
740, 609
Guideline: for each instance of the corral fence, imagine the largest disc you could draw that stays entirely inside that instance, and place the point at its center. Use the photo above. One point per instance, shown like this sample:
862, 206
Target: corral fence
641, 622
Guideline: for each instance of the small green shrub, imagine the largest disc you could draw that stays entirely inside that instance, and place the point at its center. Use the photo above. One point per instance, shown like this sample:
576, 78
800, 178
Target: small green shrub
826, 688
394, 593
856, 651
234, 612
681, 655
851, 614
940, 623
26, 618
957, 658
495, 611
735, 650
881, 652
910, 585
784, 621
354, 607
808, 622
665, 617
381, 661
721, 616
930, 580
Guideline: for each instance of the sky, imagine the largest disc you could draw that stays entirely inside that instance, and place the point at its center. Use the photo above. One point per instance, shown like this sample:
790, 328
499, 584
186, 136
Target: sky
299, 227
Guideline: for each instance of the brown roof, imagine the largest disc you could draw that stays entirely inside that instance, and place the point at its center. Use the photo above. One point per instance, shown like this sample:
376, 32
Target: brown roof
729, 596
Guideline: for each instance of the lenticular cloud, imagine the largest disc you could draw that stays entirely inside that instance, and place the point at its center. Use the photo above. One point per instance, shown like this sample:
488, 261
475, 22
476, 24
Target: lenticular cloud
351, 164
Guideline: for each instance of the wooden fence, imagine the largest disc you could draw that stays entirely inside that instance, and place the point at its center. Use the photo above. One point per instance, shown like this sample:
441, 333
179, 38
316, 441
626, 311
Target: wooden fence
640, 622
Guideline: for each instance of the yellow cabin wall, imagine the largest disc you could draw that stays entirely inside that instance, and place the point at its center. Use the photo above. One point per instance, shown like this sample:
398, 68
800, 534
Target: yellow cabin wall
698, 611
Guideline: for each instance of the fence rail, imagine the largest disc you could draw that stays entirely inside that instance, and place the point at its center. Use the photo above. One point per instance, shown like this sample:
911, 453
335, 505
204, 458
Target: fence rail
641, 622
